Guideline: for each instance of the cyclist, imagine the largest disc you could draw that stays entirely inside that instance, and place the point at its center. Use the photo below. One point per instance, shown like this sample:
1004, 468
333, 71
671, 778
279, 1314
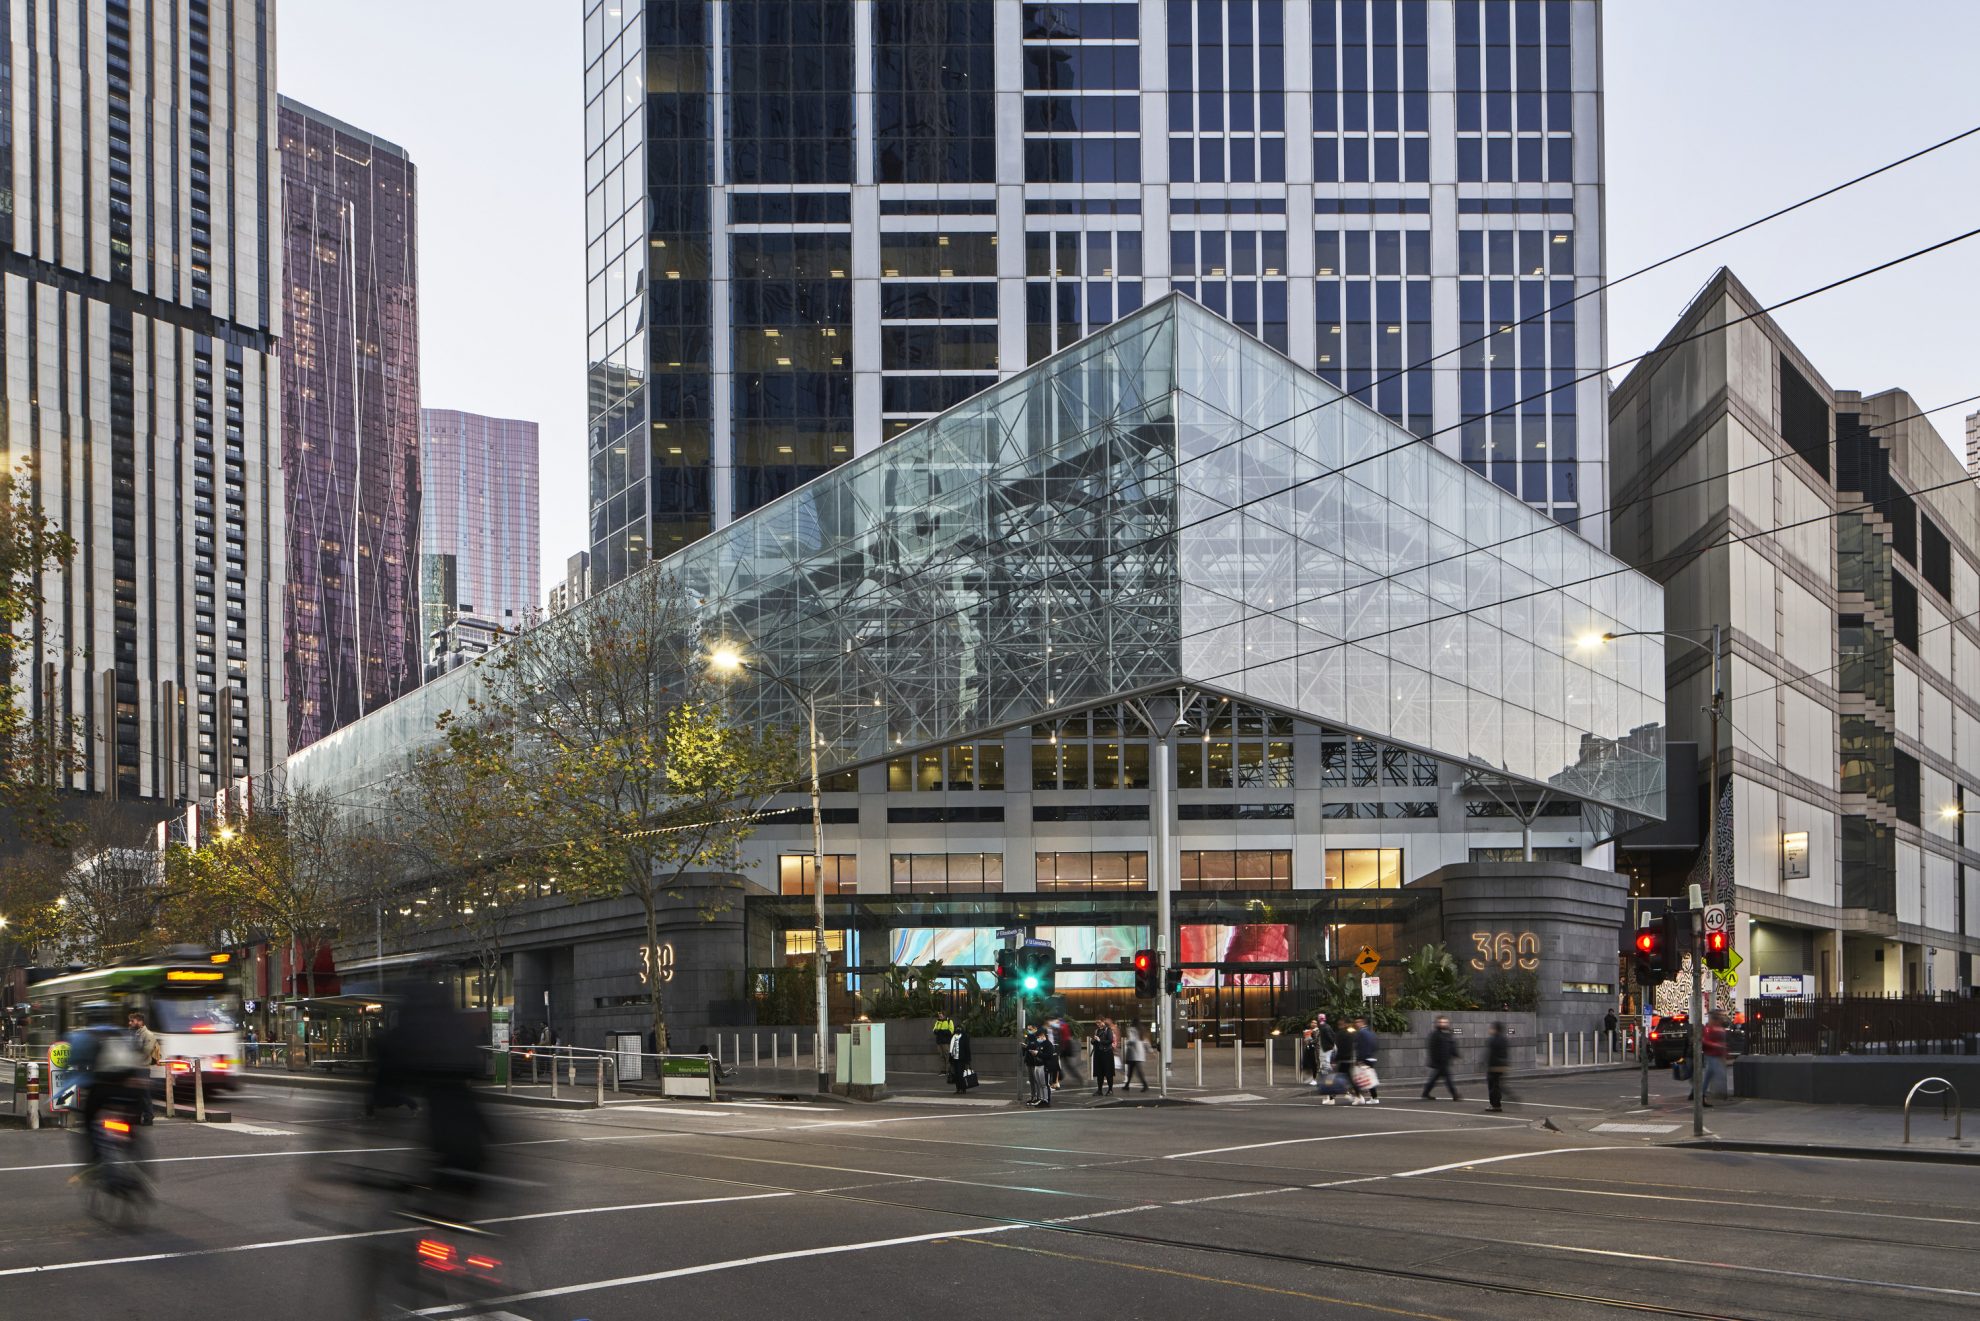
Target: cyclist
104, 1061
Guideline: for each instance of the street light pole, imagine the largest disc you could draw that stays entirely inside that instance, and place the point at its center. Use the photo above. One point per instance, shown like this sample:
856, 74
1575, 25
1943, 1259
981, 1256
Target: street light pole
1697, 918
729, 660
817, 894
1711, 895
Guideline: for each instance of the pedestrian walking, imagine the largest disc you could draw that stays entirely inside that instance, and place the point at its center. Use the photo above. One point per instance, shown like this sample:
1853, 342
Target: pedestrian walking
147, 1044
1105, 1041
1609, 1022
253, 1047
1309, 1053
960, 1072
1039, 1061
1326, 1048
1713, 1045
1135, 1053
1442, 1050
1498, 1063
1364, 1049
1066, 1045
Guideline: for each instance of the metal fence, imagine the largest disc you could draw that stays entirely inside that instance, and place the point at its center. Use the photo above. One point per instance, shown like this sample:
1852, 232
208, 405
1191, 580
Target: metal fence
1863, 1025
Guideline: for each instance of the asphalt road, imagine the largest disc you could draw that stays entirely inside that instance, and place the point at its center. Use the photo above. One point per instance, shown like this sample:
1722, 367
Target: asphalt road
764, 1209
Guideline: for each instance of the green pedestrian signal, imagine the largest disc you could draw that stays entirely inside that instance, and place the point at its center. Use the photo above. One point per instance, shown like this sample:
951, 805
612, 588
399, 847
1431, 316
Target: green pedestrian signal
1037, 965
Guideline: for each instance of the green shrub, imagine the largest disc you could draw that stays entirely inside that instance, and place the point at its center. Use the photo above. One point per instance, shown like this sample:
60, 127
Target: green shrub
1433, 980
1518, 992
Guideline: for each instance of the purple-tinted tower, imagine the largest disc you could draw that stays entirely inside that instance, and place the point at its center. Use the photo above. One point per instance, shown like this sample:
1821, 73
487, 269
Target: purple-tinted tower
350, 421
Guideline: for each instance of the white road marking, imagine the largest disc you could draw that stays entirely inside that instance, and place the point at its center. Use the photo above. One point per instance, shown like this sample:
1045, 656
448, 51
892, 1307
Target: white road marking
252, 1130
1755, 1270
1293, 1142
1799, 1208
778, 1105
737, 1263
664, 1110
1228, 1099
1494, 1160
984, 1102
237, 1155
368, 1233
1634, 1128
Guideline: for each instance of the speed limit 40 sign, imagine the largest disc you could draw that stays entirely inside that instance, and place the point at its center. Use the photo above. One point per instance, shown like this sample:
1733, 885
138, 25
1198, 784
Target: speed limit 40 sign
1715, 917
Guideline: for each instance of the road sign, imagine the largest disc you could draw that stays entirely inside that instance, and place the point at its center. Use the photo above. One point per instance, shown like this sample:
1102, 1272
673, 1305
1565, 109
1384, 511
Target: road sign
1371, 987
1368, 960
1715, 917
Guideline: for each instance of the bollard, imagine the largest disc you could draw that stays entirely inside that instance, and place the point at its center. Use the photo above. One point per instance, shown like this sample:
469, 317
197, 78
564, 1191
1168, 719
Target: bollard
755, 1051
34, 1098
554, 1071
1198, 1052
1550, 1050
509, 1074
570, 1062
1237, 1053
534, 1078
1581, 1048
600, 1100
171, 1094
775, 1037
199, 1091
1269, 1043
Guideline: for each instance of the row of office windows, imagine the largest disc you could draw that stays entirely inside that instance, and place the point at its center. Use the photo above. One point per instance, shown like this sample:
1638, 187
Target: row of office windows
1200, 870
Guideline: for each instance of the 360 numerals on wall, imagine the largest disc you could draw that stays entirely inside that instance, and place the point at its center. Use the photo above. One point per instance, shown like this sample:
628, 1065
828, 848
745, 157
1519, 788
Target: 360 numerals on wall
1506, 950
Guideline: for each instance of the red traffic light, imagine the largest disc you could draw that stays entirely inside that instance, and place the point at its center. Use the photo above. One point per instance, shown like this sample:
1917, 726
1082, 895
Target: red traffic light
1143, 961
1718, 950
1646, 942
1715, 941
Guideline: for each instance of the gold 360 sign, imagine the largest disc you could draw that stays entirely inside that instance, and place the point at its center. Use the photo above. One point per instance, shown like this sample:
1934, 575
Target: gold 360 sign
1506, 950
656, 958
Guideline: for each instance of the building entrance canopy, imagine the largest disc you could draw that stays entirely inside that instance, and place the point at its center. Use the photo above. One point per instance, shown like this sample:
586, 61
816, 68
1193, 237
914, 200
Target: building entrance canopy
1167, 504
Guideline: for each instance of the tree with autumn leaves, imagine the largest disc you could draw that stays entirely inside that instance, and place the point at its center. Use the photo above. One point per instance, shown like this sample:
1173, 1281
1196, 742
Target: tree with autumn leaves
620, 771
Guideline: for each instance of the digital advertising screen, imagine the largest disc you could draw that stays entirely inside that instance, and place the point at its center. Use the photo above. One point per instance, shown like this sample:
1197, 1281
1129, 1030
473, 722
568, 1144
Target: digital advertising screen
1251, 942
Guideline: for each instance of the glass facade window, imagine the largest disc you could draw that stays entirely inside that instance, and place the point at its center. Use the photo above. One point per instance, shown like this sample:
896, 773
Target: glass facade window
795, 872
1372, 307
1092, 871
1104, 749
1371, 92
934, 104
1364, 869
947, 873
1227, 97
963, 767
1239, 274
1516, 322
791, 304
1236, 869
1239, 748
789, 95
1077, 282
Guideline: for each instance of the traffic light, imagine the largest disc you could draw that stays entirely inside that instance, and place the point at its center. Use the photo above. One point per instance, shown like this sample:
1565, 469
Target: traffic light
1037, 969
1649, 951
1146, 984
1718, 950
1172, 980
1006, 973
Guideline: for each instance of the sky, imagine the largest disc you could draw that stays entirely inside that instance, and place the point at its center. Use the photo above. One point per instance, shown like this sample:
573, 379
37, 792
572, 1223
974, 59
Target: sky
1716, 113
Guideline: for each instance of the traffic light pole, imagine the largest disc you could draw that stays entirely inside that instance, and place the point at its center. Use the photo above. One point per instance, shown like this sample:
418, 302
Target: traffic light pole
1165, 761
1697, 916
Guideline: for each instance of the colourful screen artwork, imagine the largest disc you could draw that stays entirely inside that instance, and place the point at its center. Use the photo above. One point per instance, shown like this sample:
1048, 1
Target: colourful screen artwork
1253, 942
910, 947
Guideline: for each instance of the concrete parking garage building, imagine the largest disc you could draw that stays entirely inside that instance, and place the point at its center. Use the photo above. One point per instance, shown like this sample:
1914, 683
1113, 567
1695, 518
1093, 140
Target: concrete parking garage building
1384, 712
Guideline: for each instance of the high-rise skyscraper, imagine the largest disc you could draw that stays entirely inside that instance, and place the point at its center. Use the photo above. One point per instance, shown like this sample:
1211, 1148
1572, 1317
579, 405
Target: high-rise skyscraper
1973, 442
479, 520
350, 421
141, 297
811, 225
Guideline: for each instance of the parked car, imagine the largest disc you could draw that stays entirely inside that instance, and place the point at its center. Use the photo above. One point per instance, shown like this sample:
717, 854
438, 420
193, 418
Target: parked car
1670, 1039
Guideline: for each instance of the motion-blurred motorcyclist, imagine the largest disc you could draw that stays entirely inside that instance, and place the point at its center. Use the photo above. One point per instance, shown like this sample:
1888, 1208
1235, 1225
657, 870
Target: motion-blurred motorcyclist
429, 1054
104, 1062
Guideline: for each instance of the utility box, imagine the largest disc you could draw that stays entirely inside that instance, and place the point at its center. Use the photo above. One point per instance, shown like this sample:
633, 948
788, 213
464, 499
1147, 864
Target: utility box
842, 1058
626, 1055
866, 1051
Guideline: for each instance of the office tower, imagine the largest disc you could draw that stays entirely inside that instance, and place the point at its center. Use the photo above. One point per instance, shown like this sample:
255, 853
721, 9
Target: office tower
811, 226
140, 302
1849, 740
350, 420
575, 585
1973, 442
479, 520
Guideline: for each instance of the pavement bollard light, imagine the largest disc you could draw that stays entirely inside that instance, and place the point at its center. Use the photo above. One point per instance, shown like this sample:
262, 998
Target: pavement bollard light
199, 1091
554, 1071
775, 1038
1237, 1053
755, 1050
1269, 1043
601, 1080
1198, 1052
171, 1095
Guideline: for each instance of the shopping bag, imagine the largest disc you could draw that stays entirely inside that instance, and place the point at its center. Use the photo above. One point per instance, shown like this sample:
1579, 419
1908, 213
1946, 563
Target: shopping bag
1364, 1078
1681, 1071
969, 1079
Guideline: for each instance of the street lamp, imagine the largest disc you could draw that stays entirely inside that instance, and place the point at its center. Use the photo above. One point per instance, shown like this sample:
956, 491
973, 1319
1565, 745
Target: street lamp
728, 661
1717, 651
